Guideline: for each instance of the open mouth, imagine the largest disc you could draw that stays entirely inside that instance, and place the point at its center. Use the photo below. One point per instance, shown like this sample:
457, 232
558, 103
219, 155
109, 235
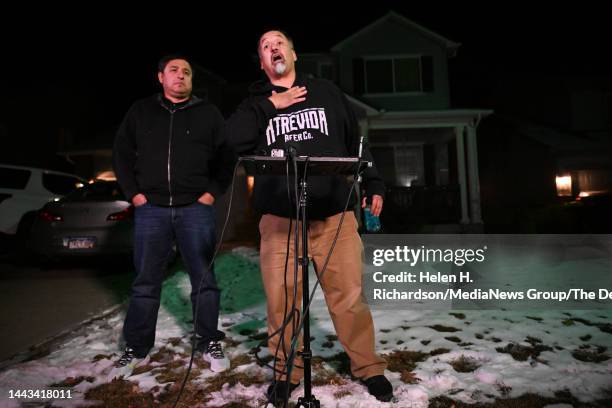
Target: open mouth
277, 58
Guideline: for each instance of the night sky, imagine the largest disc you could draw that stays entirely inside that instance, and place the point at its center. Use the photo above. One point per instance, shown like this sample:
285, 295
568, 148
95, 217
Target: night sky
61, 72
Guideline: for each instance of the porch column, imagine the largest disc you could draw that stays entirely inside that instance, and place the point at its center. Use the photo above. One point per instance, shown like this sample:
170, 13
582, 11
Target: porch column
472, 158
465, 219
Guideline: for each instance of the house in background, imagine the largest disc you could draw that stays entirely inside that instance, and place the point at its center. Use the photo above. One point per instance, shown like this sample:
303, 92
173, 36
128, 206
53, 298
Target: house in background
549, 144
573, 115
395, 73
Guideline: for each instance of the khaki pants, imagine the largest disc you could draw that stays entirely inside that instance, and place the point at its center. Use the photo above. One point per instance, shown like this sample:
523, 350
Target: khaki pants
341, 284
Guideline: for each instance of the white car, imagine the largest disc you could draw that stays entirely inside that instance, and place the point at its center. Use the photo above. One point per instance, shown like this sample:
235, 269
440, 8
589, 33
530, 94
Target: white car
24, 190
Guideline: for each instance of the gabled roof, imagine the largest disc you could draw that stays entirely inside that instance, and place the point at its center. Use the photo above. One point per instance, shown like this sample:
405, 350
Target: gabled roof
451, 46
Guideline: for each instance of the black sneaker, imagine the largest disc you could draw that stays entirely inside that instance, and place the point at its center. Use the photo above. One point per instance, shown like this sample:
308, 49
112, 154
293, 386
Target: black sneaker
277, 391
127, 363
379, 387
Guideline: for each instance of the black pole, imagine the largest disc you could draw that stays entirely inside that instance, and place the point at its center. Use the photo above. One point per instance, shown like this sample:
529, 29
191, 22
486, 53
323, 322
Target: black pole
308, 400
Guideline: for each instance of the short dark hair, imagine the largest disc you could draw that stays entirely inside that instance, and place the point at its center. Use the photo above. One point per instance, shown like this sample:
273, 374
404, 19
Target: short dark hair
163, 61
283, 32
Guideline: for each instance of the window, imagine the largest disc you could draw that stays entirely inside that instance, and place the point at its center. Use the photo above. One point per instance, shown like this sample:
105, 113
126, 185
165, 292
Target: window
407, 74
400, 74
14, 178
59, 184
400, 165
410, 168
379, 76
564, 185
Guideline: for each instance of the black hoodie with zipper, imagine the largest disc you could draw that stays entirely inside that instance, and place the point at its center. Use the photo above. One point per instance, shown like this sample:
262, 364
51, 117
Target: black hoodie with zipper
322, 125
172, 153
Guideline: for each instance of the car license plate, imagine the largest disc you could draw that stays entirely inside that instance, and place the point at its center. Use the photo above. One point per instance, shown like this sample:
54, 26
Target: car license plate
80, 243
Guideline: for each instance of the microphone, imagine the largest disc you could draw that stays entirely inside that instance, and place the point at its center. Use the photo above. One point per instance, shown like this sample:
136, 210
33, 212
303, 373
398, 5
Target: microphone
290, 151
360, 146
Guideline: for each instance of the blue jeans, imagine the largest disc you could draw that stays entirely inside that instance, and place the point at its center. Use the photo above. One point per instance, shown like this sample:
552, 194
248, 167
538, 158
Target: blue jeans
155, 228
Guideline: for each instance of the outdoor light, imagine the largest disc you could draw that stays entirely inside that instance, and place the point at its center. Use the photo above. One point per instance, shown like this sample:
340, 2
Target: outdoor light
591, 193
564, 186
408, 180
250, 184
107, 175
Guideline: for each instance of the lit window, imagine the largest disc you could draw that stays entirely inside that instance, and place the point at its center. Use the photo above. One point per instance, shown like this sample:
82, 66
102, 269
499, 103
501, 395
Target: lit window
250, 184
564, 186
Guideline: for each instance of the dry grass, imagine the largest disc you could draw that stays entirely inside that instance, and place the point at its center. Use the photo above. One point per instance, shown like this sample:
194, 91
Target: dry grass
72, 381
409, 377
444, 329
175, 341
231, 378
193, 395
604, 327
327, 377
591, 354
242, 359
439, 351
522, 353
341, 394
163, 356
169, 375
142, 369
120, 393
523, 401
400, 361
99, 357
464, 364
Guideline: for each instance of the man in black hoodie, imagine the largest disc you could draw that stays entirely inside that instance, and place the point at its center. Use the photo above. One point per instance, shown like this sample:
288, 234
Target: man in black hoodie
314, 117
172, 161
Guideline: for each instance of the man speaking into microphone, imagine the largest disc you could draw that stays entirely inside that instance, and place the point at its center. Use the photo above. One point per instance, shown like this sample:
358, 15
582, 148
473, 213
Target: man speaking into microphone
288, 110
